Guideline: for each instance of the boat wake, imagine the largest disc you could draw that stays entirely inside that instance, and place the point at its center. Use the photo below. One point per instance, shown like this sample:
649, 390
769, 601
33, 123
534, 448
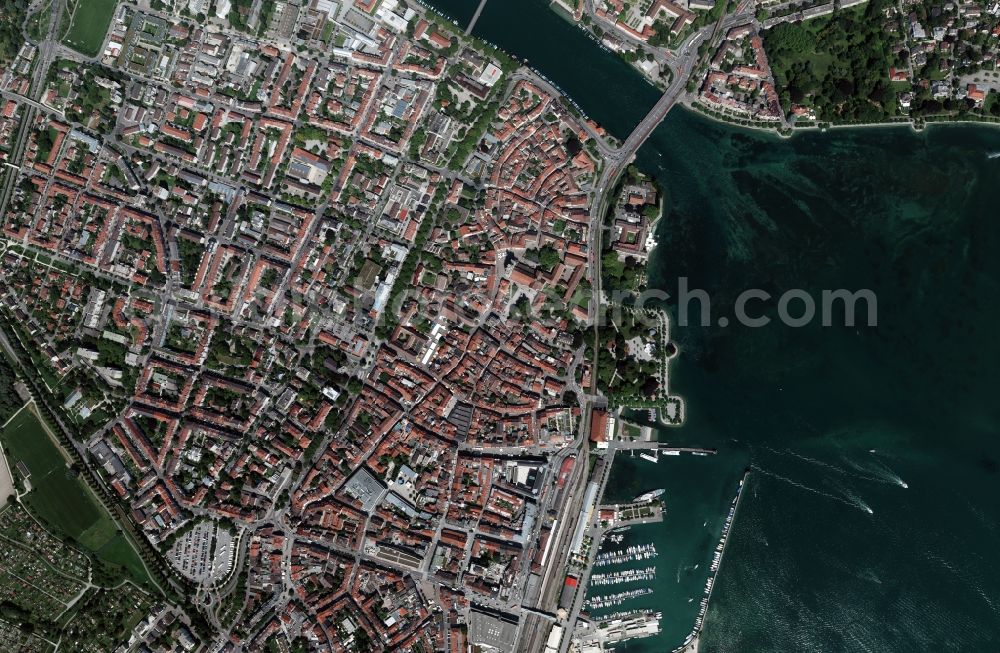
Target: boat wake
854, 503
891, 476
882, 475
878, 472
870, 575
807, 459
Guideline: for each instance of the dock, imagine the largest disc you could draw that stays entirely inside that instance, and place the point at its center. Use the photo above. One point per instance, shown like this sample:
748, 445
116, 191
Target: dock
613, 630
661, 447
700, 451
628, 514
691, 642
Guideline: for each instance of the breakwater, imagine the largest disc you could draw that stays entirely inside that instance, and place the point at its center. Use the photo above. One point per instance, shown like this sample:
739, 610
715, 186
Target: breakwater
720, 550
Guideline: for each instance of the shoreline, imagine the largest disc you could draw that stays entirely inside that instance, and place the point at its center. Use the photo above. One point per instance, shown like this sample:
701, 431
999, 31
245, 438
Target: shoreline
702, 111
562, 10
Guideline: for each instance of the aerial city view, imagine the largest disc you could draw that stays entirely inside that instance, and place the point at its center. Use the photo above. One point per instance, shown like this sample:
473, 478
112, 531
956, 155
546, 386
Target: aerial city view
496, 326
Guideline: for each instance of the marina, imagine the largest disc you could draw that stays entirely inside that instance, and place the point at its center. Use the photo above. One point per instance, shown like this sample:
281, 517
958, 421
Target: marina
614, 600
647, 574
624, 576
630, 554
679, 546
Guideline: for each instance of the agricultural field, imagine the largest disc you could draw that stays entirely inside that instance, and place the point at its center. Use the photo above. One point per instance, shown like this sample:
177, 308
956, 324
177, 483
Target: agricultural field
62, 501
88, 25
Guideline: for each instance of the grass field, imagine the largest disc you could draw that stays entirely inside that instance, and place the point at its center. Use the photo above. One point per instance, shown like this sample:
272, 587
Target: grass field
60, 500
90, 24
631, 430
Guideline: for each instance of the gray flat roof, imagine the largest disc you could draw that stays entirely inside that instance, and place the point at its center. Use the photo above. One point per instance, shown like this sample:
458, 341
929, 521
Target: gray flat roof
366, 488
493, 630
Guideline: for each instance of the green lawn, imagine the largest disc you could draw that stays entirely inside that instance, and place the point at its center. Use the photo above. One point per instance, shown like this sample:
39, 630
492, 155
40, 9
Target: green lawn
632, 430
63, 502
991, 100
90, 25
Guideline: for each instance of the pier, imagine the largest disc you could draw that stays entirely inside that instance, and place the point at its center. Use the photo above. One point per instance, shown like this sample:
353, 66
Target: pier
622, 556
620, 627
699, 451
623, 576
475, 17
614, 600
691, 642
627, 514
662, 447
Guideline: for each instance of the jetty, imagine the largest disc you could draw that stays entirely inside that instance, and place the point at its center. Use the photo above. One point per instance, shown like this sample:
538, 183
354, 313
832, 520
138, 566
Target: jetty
618, 515
612, 600
660, 447
622, 556
698, 451
623, 576
691, 642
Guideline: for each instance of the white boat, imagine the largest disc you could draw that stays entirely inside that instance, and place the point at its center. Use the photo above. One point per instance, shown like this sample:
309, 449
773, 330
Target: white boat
649, 496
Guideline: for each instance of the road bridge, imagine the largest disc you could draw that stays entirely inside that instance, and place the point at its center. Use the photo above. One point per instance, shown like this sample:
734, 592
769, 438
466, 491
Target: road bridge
475, 17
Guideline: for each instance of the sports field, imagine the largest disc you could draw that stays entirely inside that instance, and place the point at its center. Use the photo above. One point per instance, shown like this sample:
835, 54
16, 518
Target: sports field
61, 500
89, 25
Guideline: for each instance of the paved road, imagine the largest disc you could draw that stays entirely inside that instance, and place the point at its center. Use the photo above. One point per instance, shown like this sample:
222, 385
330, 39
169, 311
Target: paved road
43, 59
684, 65
606, 150
617, 159
621, 158
661, 55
